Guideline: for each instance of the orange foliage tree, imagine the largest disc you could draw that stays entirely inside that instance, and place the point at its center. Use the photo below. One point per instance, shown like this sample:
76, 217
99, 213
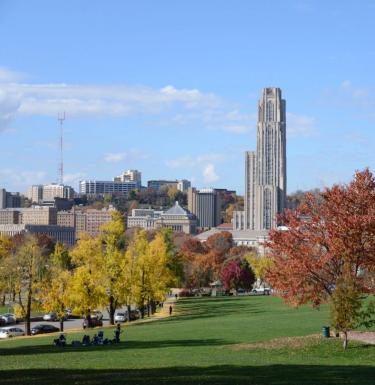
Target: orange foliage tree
326, 239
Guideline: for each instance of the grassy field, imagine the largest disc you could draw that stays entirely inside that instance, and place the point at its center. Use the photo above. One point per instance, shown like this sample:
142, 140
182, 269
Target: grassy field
208, 341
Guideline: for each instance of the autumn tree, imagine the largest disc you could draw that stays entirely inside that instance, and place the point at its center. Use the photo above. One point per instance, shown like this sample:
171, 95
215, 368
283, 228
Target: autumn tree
87, 290
113, 241
56, 282
237, 274
260, 264
323, 241
29, 263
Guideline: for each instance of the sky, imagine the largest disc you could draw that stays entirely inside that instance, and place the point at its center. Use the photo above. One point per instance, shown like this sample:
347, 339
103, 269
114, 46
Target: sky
171, 88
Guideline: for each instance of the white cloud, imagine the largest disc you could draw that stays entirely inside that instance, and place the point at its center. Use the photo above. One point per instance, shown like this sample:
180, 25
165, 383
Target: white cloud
74, 177
7, 75
209, 173
22, 179
300, 125
190, 161
9, 106
132, 154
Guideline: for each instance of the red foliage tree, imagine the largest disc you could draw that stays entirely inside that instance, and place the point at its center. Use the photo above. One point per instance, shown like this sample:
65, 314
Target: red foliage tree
325, 239
237, 274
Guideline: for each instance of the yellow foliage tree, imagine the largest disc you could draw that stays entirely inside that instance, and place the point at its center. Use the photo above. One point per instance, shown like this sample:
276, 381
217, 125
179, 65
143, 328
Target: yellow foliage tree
260, 265
113, 269
87, 290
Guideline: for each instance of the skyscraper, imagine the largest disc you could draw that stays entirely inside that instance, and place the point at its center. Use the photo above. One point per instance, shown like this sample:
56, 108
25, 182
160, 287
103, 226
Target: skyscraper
265, 168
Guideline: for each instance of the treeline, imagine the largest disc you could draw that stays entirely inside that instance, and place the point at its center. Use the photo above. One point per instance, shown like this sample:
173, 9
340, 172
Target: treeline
111, 270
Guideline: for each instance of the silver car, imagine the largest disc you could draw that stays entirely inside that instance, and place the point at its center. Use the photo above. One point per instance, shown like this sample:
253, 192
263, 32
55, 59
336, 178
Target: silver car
11, 331
9, 318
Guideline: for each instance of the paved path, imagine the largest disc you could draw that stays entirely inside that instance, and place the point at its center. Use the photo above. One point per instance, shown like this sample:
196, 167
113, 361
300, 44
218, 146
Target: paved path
367, 337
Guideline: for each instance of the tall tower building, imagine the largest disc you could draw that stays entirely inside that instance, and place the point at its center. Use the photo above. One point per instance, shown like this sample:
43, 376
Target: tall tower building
265, 168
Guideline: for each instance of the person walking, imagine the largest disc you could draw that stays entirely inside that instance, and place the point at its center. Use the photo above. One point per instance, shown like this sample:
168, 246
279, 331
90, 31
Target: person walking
170, 310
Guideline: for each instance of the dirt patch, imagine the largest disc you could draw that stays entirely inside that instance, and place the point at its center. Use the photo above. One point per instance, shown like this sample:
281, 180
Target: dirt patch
280, 343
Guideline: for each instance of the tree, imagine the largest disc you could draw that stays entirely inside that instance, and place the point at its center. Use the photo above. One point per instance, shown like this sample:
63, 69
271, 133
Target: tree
87, 290
260, 264
112, 237
325, 241
29, 263
56, 282
236, 274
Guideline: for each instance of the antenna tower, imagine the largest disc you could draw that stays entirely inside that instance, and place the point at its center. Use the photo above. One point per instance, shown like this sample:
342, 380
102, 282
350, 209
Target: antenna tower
61, 118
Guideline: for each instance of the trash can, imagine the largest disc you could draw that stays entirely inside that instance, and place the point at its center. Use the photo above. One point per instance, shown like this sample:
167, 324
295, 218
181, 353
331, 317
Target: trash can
325, 331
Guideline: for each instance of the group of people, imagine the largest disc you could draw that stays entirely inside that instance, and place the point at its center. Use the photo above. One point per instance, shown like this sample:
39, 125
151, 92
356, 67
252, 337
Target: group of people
97, 339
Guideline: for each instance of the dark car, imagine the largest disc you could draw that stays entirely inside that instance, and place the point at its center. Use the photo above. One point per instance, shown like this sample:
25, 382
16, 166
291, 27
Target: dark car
43, 329
94, 322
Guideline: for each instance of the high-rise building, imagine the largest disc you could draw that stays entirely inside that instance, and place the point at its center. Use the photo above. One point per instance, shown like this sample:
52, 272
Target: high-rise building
3, 198
205, 204
130, 176
52, 191
265, 168
35, 193
9, 199
183, 185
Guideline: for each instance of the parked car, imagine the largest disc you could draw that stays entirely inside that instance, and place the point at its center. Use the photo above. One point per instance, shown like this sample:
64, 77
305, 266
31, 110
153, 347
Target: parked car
94, 322
43, 329
134, 315
97, 314
9, 318
11, 331
121, 317
50, 317
262, 290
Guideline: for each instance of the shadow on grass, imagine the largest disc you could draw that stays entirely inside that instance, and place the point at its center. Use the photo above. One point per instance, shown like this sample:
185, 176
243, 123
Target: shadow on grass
47, 349
202, 308
213, 375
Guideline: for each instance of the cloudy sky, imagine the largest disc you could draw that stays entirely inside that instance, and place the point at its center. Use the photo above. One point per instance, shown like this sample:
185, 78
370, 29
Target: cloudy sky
171, 87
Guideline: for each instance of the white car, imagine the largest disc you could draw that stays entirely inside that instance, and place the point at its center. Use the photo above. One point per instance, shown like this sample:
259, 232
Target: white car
97, 314
50, 317
9, 318
121, 317
11, 331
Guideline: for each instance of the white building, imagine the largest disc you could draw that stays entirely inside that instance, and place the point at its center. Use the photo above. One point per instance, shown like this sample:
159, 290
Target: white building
130, 176
54, 190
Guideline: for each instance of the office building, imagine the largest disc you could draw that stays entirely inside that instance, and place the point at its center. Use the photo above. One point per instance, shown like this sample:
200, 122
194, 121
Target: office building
94, 187
54, 190
205, 204
65, 235
183, 185
35, 193
9, 199
130, 176
158, 184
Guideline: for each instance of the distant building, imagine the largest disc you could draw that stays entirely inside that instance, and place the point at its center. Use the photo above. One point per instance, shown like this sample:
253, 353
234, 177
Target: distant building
95, 187
183, 185
54, 190
89, 220
9, 199
130, 176
205, 204
36, 215
175, 218
65, 235
35, 193
158, 184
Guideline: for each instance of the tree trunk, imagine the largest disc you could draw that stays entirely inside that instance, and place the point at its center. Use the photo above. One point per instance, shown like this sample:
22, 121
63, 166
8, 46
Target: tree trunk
61, 324
3, 300
148, 308
28, 311
111, 310
345, 344
129, 310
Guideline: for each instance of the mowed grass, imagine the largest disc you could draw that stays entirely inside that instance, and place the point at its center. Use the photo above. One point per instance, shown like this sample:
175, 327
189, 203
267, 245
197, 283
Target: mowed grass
207, 341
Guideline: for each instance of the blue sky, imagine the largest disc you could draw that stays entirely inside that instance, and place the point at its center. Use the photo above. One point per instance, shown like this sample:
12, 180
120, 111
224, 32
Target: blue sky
171, 88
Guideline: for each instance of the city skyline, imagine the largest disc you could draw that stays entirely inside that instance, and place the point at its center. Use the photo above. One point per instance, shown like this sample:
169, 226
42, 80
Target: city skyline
175, 97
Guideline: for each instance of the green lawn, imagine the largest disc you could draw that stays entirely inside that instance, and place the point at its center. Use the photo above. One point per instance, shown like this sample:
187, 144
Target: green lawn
208, 341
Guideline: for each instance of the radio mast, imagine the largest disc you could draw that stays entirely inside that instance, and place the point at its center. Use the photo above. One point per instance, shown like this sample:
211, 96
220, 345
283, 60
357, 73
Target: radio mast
61, 118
